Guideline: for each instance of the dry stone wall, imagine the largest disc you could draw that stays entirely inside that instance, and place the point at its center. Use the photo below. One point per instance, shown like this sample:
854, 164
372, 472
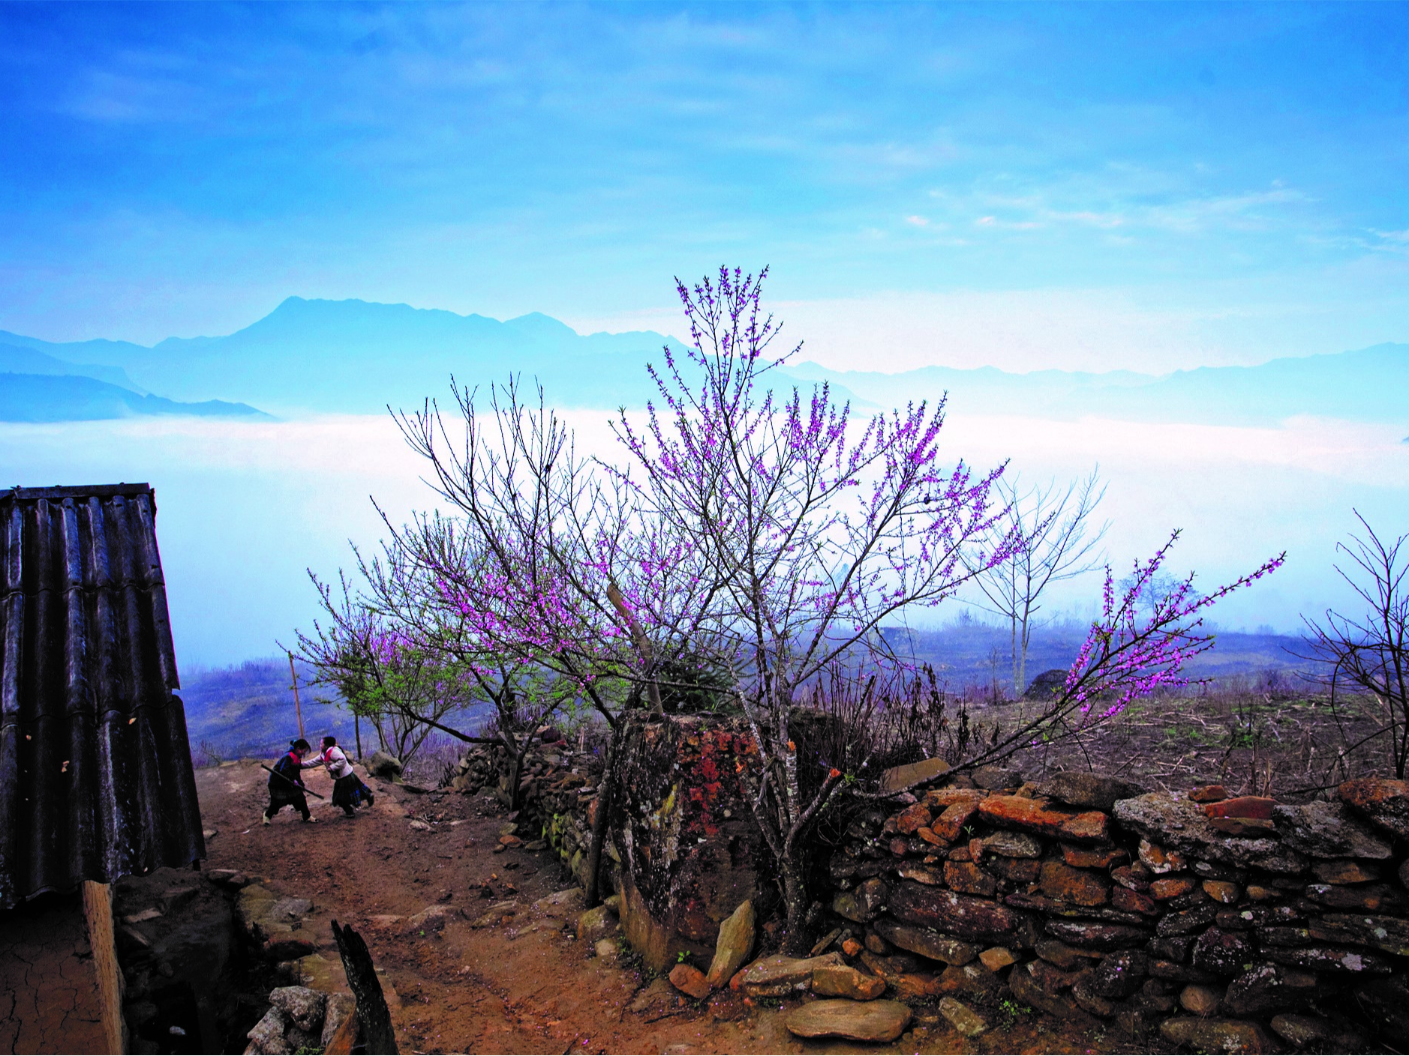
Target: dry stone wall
1215, 922
1221, 922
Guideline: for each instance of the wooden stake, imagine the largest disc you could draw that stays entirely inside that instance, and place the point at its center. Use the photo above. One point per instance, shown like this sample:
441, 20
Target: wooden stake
297, 707
98, 910
372, 1012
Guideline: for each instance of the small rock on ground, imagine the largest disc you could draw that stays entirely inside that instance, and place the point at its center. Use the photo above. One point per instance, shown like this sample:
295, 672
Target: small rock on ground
965, 1020
300, 1004
1216, 1035
873, 1021
735, 943
840, 980
690, 980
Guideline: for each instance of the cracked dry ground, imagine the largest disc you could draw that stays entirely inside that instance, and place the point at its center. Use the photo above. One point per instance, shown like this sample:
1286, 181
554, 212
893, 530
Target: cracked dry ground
522, 987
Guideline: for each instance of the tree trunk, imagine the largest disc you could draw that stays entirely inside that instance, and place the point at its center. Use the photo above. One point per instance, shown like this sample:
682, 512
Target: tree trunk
372, 1011
795, 938
599, 823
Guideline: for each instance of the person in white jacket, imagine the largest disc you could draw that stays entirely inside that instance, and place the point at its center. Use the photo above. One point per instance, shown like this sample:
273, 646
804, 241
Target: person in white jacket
348, 789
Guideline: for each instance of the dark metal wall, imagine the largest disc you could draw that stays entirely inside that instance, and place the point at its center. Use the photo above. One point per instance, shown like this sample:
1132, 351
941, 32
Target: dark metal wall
95, 766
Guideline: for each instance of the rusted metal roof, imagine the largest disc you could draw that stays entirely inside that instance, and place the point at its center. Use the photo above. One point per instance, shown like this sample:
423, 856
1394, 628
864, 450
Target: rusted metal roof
95, 766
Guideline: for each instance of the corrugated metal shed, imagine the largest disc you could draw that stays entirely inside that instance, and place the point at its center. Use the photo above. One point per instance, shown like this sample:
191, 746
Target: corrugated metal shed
95, 766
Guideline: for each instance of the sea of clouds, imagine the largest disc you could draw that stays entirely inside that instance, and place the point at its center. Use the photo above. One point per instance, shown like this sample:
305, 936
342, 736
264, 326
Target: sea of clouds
245, 508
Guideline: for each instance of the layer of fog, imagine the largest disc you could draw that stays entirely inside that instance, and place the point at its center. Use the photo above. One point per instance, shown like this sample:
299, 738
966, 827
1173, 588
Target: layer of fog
247, 508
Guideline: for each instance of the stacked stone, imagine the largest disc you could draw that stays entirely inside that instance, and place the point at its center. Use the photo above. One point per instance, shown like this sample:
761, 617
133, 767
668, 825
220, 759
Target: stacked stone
1213, 921
304, 1020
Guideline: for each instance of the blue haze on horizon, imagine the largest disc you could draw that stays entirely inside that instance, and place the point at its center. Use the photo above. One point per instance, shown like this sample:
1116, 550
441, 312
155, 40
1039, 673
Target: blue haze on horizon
1081, 187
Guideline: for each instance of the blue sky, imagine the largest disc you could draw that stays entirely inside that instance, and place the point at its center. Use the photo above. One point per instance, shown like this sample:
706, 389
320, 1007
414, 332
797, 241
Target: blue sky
1098, 186
1140, 186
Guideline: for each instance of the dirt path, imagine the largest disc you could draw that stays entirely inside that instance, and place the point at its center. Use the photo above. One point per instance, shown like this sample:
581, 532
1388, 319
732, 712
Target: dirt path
524, 986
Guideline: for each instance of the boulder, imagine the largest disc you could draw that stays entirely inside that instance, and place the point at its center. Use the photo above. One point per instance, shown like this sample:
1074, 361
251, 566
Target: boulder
926, 943
840, 980
875, 1022
1216, 1035
1324, 829
1383, 802
302, 1005
969, 918
734, 945
964, 1019
1086, 790
387, 767
780, 976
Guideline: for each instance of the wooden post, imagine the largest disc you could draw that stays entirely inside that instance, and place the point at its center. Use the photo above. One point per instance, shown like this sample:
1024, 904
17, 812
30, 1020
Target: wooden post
98, 910
297, 706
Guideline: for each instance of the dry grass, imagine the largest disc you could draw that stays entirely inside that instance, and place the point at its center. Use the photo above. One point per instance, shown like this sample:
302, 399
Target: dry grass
1262, 738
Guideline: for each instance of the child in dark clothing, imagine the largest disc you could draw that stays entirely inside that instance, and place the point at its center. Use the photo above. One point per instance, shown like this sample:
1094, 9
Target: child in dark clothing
286, 782
348, 789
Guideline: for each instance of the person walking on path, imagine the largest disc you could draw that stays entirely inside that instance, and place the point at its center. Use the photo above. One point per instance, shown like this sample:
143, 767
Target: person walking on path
348, 789
286, 782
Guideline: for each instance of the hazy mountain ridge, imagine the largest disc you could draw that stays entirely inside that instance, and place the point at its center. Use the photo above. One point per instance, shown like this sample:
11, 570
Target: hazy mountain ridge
356, 357
1363, 385
76, 398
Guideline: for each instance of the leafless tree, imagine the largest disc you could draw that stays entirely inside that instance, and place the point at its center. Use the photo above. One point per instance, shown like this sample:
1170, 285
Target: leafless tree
1370, 652
1058, 542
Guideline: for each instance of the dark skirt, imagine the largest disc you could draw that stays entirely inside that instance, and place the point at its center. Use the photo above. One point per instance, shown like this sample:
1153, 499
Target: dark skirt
349, 791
